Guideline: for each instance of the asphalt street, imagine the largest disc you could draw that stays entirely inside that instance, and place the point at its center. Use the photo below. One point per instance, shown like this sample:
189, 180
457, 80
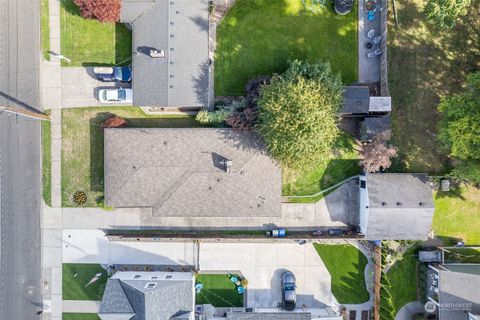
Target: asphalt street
20, 257
20, 53
20, 239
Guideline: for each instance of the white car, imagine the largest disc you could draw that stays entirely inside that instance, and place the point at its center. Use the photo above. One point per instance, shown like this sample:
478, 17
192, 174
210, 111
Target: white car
115, 95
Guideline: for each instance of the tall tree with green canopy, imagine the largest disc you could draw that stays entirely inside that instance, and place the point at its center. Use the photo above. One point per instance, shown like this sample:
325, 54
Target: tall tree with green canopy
298, 113
460, 127
444, 13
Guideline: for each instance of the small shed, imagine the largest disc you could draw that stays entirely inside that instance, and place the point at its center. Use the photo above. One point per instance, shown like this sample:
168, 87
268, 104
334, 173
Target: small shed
376, 128
430, 256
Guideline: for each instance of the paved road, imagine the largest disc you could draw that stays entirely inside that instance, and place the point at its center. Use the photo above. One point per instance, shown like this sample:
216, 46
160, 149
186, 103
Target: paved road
19, 53
20, 260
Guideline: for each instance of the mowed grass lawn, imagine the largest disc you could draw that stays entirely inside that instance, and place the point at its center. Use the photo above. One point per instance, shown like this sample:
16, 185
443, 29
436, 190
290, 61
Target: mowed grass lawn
46, 163
457, 215
90, 42
257, 37
80, 316
403, 279
346, 265
426, 63
82, 145
45, 29
218, 290
343, 164
75, 278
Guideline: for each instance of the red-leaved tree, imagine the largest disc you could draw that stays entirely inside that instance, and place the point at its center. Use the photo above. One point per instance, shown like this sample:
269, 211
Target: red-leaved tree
377, 156
114, 122
102, 10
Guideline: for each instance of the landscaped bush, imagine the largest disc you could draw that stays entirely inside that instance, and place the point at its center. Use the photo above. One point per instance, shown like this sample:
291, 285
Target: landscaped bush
114, 122
219, 116
377, 156
102, 10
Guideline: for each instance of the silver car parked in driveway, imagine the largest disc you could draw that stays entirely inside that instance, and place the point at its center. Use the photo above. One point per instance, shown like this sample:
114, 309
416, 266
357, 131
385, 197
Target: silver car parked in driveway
115, 95
289, 297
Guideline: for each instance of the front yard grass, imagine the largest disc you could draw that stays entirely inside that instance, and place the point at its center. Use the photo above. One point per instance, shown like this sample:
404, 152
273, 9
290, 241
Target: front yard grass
75, 278
462, 255
90, 42
218, 290
82, 146
457, 215
425, 64
80, 316
46, 163
45, 29
257, 37
325, 174
346, 265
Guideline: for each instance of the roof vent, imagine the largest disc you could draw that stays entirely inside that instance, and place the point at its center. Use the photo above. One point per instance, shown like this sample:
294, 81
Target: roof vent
384, 203
150, 285
420, 204
227, 165
154, 53
399, 203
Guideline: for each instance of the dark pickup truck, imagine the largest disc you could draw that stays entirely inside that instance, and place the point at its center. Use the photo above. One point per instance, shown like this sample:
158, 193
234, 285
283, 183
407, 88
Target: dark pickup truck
108, 74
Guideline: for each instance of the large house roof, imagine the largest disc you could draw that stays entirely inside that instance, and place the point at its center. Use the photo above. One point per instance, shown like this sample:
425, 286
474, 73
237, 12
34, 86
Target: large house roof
400, 206
458, 288
268, 316
183, 172
180, 30
128, 298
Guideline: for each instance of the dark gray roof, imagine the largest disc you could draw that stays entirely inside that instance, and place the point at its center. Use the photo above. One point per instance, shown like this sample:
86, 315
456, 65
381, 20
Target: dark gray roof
131, 299
458, 288
356, 99
376, 128
179, 172
400, 206
269, 316
180, 29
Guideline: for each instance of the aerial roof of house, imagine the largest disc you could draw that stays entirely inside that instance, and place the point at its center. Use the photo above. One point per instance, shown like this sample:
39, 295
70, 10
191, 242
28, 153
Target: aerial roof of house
376, 128
192, 172
357, 100
400, 206
178, 31
148, 296
268, 316
458, 289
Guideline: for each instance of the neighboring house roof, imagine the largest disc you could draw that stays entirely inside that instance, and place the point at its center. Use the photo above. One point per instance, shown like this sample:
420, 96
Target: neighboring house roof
400, 206
180, 29
182, 172
145, 298
458, 288
376, 128
268, 316
356, 99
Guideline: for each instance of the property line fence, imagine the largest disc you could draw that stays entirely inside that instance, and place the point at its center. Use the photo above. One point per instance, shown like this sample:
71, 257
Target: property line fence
383, 58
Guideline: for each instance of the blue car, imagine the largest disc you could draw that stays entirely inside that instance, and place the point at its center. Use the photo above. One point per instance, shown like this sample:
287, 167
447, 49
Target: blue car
109, 74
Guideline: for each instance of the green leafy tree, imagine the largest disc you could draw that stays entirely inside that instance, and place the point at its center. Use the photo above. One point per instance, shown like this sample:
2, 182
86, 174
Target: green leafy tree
460, 124
444, 13
297, 114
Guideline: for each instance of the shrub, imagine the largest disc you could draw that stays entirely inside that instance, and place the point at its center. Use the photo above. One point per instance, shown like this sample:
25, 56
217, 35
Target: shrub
219, 116
114, 122
102, 10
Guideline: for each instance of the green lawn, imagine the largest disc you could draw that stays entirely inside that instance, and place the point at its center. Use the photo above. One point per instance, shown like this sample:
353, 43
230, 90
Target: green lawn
346, 265
323, 175
45, 29
46, 163
90, 42
257, 37
80, 316
82, 145
218, 290
457, 215
403, 279
462, 255
424, 64
73, 287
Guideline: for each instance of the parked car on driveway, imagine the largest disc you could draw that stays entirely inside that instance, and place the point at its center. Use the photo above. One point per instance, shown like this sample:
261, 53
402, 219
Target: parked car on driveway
108, 74
289, 297
115, 95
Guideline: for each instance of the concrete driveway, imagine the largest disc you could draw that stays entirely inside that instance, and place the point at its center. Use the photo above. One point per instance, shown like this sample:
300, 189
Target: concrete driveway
80, 88
261, 263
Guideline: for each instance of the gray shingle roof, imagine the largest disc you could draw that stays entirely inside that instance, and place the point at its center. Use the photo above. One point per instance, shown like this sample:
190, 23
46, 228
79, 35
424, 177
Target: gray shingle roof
180, 172
376, 128
165, 301
356, 99
269, 316
400, 206
180, 29
458, 288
